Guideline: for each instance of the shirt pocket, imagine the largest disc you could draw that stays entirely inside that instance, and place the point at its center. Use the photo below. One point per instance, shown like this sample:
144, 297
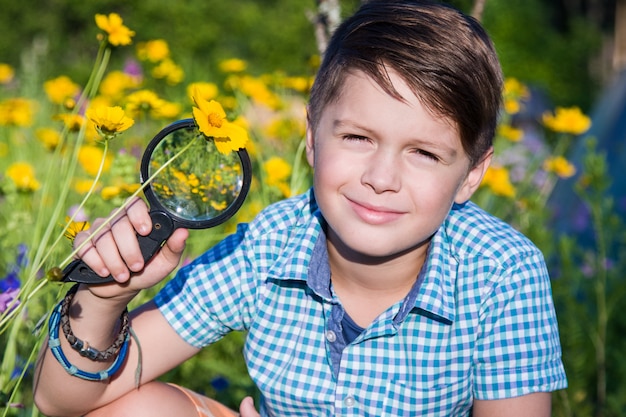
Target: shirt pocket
404, 399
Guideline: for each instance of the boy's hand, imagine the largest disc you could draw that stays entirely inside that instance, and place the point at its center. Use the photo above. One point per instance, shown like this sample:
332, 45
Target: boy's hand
246, 408
115, 251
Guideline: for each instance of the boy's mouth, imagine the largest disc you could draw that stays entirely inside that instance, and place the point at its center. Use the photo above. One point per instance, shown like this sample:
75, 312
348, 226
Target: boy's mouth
373, 214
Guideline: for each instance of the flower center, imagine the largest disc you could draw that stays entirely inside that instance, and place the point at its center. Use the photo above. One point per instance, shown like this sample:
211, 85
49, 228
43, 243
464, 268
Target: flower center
215, 120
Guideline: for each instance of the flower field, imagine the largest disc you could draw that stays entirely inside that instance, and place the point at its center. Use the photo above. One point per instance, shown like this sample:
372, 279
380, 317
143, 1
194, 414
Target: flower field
70, 151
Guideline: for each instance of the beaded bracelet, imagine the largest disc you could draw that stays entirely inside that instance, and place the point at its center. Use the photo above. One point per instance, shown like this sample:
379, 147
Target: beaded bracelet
83, 346
55, 347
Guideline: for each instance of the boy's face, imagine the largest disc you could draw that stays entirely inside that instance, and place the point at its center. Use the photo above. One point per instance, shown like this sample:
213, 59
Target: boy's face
386, 172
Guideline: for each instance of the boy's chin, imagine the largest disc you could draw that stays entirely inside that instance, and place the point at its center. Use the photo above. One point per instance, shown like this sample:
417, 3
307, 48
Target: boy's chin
372, 251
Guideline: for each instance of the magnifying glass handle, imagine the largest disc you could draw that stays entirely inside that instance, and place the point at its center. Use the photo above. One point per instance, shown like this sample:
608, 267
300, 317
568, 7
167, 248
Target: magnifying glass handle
162, 228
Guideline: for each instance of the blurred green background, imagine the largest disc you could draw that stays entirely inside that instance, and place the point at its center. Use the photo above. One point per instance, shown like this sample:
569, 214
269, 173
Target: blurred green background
556, 45
562, 49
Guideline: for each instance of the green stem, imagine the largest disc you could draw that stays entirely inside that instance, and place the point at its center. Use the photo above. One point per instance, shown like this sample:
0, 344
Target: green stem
126, 203
41, 241
86, 198
600, 285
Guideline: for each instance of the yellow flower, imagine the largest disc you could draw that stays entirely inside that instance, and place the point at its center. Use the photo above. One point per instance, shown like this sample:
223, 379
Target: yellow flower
121, 190
299, 84
257, 89
514, 92
229, 102
513, 88
277, 173
116, 83
74, 122
168, 70
511, 133
211, 120
90, 158
512, 106
167, 110
75, 228
16, 112
143, 102
118, 34
110, 192
567, 120
49, 137
497, 179
204, 90
23, 176
60, 89
82, 186
560, 166
6, 73
154, 51
109, 121
277, 170
233, 65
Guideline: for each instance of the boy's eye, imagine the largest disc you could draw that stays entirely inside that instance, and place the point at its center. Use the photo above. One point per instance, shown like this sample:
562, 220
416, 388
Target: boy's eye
354, 137
427, 154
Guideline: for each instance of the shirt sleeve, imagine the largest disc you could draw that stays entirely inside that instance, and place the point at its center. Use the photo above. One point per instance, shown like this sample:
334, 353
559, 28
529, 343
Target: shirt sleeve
211, 296
518, 350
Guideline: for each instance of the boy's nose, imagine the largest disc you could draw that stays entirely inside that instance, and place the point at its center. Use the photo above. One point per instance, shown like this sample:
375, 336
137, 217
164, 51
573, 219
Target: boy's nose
382, 172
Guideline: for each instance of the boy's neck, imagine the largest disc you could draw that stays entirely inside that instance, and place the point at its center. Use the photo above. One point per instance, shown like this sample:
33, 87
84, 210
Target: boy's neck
368, 286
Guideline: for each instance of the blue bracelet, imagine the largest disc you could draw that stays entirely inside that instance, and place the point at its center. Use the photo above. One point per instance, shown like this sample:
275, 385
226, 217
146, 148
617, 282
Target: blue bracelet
55, 346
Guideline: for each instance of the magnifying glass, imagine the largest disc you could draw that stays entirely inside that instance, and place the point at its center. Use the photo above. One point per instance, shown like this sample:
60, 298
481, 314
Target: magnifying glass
190, 184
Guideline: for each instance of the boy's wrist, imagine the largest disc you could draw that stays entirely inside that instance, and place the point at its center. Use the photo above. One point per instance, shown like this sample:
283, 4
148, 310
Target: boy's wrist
96, 318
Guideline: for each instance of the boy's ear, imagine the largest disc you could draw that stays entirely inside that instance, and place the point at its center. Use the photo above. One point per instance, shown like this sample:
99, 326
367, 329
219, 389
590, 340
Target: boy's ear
474, 178
310, 145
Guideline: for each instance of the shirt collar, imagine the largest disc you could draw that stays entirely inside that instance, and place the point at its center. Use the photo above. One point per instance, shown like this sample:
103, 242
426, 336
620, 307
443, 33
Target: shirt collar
435, 286
431, 296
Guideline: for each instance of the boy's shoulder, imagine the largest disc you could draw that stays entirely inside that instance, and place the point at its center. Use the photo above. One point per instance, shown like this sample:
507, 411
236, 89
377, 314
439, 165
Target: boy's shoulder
472, 231
299, 210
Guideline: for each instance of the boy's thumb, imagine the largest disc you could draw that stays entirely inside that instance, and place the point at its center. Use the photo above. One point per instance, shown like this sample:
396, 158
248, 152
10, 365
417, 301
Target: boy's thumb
246, 408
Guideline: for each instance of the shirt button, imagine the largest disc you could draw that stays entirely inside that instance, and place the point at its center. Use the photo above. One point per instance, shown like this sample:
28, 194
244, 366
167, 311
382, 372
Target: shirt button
349, 401
331, 336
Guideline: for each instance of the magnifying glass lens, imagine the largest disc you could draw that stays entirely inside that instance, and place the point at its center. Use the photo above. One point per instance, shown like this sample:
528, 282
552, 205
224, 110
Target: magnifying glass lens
201, 183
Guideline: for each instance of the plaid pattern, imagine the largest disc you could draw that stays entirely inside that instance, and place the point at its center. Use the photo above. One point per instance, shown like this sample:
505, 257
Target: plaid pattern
479, 323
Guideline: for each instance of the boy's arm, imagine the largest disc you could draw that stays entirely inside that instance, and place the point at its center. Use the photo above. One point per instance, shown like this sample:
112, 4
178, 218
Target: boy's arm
537, 405
58, 393
94, 318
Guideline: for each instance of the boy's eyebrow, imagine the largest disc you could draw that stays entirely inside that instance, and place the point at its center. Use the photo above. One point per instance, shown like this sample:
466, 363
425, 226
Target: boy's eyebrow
449, 151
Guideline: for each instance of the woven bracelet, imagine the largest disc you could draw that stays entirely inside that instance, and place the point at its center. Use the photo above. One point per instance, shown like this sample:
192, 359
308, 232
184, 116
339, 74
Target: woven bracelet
55, 347
83, 347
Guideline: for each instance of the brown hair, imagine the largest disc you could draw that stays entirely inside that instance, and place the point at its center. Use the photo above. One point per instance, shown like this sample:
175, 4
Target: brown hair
446, 58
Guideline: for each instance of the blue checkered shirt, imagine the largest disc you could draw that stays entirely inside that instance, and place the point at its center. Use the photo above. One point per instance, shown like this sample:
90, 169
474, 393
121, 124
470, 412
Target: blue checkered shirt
479, 322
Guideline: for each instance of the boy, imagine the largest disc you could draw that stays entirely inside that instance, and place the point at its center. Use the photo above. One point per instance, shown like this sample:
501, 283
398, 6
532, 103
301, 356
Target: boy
381, 291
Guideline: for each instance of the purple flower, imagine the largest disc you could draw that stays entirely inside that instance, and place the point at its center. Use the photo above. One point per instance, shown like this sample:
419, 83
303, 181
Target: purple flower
7, 299
133, 68
10, 284
79, 213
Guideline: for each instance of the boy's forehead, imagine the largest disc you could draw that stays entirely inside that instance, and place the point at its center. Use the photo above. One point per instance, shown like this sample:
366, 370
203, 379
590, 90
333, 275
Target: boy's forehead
391, 84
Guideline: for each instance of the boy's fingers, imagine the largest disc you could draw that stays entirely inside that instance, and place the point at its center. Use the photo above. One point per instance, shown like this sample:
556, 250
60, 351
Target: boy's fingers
138, 214
89, 254
246, 409
125, 243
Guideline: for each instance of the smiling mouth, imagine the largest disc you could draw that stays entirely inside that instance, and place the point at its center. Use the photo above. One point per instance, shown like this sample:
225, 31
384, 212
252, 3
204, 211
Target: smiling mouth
375, 215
